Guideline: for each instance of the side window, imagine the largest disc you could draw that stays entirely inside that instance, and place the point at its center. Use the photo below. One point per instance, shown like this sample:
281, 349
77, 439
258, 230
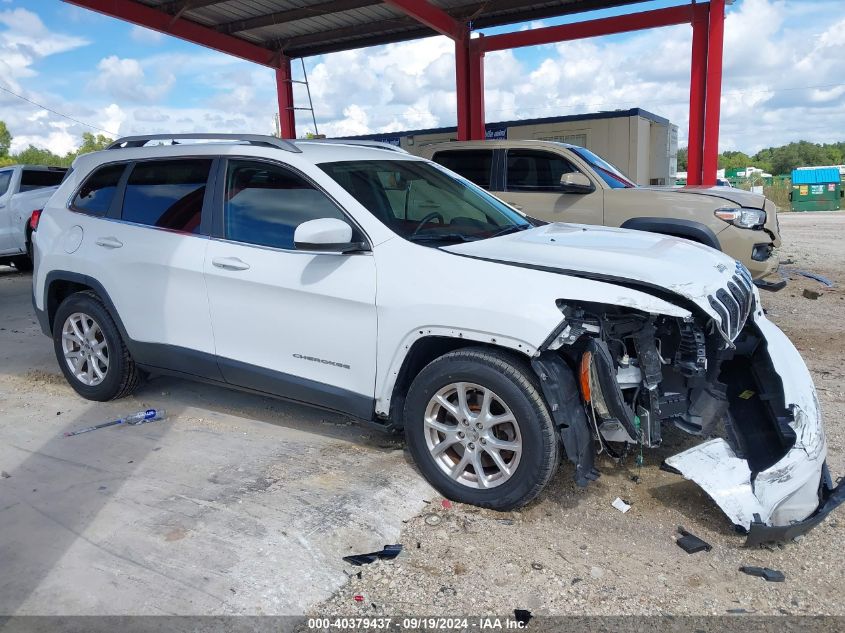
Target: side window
265, 203
167, 194
5, 179
531, 170
96, 194
474, 165
32, 179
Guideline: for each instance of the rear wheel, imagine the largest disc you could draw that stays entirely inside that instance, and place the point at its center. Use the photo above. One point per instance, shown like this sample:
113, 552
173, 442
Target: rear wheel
479, 430
90, 350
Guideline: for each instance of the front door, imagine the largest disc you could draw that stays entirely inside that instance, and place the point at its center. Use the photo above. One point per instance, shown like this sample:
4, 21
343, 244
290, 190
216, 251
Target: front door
532, 185
297, 324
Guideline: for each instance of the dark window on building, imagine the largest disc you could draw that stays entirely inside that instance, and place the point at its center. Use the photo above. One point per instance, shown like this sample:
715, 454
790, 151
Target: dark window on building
531, 170
5, 179
474, 165
265, 203
96, 194
167, 194
39, 178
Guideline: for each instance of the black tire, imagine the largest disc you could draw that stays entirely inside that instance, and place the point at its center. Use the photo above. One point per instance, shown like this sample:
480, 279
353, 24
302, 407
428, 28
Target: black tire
22, 263
515, 384
122, 376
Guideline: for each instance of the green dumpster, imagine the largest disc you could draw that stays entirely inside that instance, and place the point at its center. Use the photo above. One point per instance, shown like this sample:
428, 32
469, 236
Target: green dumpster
816, 189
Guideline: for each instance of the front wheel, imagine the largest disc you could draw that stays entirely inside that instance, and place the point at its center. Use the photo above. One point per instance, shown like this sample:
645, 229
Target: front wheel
479, 430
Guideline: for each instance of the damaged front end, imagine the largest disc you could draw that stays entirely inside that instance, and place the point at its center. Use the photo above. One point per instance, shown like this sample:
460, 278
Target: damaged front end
614, 377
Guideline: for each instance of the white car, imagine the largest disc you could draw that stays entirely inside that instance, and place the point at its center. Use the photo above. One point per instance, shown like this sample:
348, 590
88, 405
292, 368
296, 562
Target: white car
24, 189
373, 283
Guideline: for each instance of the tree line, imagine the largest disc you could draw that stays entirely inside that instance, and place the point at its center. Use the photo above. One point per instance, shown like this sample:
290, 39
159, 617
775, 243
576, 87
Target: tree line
779, 160
36, 156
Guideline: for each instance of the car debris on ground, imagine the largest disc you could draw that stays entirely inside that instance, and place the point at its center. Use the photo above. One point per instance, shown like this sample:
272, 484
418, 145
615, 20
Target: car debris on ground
621, 505
808, 274
388, 553
770, 575
690, 543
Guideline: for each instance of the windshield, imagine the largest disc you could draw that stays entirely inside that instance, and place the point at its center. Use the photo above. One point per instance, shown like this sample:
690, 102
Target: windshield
423, 203
614, 178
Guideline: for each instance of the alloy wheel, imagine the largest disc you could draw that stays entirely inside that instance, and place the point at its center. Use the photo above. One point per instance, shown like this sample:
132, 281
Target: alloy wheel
472, 435
85, 349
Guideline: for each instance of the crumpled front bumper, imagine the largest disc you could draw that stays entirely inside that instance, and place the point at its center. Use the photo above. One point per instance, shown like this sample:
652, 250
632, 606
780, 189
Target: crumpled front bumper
794, 494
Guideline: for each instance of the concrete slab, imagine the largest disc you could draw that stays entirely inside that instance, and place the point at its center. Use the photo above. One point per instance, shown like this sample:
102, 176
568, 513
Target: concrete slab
236, 504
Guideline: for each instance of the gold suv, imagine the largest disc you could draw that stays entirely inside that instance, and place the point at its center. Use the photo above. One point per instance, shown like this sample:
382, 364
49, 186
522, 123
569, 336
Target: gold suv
556, 182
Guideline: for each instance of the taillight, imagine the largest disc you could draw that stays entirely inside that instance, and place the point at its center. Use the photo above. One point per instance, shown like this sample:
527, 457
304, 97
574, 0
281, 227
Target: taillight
34, 219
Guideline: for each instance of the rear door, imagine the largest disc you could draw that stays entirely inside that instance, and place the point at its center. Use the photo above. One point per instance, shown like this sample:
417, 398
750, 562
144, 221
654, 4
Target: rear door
148, 253
476, 165
532, 185
297, 324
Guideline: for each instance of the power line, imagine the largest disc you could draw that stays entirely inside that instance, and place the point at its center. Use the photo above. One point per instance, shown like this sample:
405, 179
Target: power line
70, 118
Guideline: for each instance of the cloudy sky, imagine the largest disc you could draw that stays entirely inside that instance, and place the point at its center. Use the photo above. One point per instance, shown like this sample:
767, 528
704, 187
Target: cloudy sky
783, 78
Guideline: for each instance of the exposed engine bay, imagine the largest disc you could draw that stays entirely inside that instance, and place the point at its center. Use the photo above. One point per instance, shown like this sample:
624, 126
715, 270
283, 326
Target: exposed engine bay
637, 373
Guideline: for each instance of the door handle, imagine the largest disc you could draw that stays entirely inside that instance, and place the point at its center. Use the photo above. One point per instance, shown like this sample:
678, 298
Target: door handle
230, 263
109, 242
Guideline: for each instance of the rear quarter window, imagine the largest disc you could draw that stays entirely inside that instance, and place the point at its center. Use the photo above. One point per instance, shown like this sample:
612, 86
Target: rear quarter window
474, 165
97, 192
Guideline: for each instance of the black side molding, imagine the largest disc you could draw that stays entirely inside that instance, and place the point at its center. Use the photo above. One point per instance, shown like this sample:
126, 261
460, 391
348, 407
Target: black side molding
689, 229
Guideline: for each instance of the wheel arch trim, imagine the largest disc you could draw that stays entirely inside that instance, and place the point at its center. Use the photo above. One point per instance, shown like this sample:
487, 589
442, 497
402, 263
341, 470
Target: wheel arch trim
451, 338
83, 280
689, 229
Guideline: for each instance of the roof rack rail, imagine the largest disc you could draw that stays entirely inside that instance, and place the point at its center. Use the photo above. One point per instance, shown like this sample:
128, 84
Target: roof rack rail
341, 141
252, 139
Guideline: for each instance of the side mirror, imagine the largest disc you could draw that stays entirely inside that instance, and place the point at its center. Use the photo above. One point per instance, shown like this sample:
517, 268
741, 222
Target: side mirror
576, 182
326, 235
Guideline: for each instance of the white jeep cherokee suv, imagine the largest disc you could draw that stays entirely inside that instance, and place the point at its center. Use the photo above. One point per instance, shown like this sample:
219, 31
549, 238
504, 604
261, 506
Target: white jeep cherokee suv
373, 283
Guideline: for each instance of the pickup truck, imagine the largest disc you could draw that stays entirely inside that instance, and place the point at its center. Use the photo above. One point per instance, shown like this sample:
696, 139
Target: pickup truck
23, 189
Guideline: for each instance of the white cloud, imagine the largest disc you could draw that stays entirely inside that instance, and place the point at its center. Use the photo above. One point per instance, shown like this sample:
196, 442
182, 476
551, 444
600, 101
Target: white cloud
126, 79
24, 41
145, 36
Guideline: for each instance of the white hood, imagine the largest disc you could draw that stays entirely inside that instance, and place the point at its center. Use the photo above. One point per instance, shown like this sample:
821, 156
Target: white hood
679, 266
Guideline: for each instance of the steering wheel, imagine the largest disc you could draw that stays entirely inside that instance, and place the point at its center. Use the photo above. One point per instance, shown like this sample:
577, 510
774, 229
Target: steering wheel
428, 218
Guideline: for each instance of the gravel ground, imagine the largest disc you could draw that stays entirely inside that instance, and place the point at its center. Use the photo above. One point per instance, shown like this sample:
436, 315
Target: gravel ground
571, 553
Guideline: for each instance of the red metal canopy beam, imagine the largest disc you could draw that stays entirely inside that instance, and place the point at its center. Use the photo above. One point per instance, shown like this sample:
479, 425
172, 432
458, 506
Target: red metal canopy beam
716, 34
697, 95
284, 91
590, 28
162, 22
431, 16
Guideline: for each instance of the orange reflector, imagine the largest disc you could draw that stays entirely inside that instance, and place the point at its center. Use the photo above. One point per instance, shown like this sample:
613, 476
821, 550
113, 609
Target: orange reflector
586, 361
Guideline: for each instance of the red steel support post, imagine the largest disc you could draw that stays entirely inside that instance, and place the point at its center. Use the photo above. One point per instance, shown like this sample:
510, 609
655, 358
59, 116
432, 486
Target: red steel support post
697, 92
714, 92
462, 85
476, 91
284, 88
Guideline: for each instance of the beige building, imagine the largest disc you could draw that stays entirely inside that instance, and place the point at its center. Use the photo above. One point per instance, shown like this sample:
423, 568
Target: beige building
641, 144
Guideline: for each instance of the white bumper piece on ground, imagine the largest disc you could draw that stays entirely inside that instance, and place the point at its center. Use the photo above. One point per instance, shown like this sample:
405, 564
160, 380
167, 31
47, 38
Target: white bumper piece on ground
794, 494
